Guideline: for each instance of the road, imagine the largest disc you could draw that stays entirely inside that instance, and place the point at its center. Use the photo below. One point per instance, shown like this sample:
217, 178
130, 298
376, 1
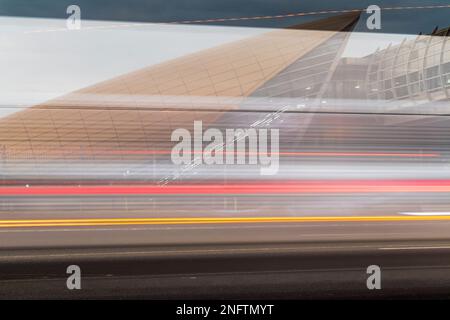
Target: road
353, 190
409, 269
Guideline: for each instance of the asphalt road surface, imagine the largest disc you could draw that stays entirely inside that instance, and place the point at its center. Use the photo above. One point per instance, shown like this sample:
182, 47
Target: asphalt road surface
409, 269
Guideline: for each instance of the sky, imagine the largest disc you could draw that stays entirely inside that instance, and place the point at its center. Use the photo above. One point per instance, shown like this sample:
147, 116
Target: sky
40, 60
411, 21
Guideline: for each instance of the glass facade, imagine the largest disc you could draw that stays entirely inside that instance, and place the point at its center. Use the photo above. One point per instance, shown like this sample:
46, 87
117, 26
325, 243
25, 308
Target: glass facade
417, 70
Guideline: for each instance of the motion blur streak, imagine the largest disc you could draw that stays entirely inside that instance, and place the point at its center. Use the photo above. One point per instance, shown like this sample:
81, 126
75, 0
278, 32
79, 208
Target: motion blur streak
286, 187
164, 221
306, 154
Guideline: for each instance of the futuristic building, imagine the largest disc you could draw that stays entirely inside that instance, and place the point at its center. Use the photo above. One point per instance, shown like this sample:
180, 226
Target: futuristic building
416, 70
119, 119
